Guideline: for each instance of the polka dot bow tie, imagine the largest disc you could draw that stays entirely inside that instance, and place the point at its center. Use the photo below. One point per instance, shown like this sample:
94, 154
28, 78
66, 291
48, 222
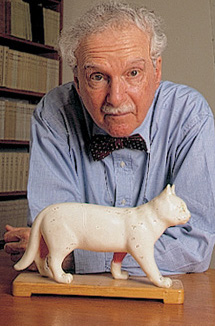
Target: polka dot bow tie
102, 145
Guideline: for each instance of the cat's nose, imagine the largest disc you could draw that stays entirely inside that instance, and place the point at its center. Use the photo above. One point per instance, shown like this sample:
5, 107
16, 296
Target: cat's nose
188, 216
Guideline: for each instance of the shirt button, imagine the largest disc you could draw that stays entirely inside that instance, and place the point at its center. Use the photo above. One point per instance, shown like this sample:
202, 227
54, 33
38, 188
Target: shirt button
122, 164
123, 202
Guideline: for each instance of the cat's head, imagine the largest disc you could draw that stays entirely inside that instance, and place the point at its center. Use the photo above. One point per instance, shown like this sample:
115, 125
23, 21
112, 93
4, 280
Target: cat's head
172, 208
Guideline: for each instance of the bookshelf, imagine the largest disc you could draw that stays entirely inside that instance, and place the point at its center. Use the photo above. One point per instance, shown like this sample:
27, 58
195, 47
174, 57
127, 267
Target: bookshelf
29, 68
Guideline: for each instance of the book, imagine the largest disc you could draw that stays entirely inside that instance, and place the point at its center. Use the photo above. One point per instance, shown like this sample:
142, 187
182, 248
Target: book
14, 168
28, 30
9, 120
15, 120
8, 17
51, 21
2, 169
2, 119
13, 212
16, 184
1, 63
20, 19
52, 74
2, 16
26, 71
4, 65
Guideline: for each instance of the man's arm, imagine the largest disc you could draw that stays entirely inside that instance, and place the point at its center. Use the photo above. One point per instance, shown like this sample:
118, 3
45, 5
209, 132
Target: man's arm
189, 248
16, 241
52, 177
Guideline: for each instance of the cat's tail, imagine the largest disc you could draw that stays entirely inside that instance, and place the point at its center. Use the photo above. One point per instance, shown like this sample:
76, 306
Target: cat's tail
33, 245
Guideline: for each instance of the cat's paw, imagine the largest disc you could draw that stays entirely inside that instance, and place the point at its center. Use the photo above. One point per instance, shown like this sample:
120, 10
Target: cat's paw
166, 282
116, 271
64, 278
121, 275
68, 278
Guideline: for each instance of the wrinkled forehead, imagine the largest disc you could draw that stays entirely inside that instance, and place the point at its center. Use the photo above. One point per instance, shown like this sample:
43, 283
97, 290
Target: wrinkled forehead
127, 40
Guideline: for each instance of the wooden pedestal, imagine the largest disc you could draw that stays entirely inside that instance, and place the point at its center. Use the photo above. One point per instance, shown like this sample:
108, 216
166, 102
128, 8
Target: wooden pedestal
104, 285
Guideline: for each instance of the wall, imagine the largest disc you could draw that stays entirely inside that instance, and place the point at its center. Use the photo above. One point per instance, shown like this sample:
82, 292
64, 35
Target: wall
189, 57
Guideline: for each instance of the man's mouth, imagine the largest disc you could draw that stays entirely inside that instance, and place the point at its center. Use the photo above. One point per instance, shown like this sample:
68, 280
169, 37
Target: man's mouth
119, 114
119, 111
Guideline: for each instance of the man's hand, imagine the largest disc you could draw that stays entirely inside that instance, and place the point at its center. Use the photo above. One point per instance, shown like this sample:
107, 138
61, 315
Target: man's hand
16, 241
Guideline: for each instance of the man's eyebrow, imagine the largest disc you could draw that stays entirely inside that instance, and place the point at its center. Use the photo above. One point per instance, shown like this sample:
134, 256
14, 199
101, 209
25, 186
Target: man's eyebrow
90, 66
97, 66
138, 60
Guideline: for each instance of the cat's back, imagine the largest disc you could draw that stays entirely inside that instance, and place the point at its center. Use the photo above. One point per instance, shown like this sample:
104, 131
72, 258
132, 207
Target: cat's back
75, 215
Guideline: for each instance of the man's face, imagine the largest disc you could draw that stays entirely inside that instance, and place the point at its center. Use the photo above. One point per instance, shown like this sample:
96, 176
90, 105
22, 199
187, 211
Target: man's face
116, 78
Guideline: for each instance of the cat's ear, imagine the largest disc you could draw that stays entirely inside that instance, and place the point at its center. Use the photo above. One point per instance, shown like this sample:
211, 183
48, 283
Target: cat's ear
168, 189
173, 189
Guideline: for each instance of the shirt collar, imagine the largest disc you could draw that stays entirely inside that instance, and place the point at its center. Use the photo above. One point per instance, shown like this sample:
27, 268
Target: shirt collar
144, 129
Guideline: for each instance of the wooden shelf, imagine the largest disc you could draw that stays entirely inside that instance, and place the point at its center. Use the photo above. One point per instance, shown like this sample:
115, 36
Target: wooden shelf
50, 3
15, 93
13, 41
14, 142
12, 194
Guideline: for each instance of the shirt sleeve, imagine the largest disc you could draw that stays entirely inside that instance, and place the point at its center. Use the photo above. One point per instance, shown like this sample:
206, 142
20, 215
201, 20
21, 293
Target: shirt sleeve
52, 175
188, 248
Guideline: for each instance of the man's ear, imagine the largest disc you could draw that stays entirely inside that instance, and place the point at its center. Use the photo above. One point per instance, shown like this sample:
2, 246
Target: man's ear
76, 81
158, 71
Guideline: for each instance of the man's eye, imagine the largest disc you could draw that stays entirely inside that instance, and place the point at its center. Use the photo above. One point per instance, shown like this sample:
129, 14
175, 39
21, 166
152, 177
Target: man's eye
96, 77
133, 73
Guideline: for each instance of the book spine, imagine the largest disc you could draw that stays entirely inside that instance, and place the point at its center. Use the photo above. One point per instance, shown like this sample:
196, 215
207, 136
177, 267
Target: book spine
1, 171
1, 63
9, 120
16, 171
2, 16
8, 17
5, 66
2, 119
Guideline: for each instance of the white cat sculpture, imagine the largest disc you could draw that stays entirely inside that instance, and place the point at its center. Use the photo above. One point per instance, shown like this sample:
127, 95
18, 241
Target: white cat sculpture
67, 226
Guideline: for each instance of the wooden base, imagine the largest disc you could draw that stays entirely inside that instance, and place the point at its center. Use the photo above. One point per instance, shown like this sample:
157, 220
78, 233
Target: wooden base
104, 285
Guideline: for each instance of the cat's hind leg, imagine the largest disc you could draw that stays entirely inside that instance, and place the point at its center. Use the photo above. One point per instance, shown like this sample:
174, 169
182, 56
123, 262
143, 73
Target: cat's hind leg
41, 260
116, 266
54, 263
58, 251
43, 267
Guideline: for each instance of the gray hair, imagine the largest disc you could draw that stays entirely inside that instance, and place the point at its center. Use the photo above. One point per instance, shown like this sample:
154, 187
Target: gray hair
107, 14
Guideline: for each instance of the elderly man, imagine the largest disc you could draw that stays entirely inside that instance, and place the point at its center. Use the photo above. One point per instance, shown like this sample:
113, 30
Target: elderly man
118, 135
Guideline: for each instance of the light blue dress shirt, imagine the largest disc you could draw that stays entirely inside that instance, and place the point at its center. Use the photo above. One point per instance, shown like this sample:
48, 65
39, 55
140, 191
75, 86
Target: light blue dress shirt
180, 138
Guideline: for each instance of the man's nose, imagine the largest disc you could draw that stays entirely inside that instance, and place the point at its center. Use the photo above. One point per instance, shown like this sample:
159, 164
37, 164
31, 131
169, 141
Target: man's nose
116, 92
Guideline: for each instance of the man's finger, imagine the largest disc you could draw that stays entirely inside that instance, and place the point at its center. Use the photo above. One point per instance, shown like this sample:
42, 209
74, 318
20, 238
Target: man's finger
15, 247
16, 257
10, 228
15, 234
11, 237
11, 234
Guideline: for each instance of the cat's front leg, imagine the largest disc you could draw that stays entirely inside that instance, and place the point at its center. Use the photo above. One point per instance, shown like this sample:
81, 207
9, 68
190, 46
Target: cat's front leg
145, 258
116, 266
